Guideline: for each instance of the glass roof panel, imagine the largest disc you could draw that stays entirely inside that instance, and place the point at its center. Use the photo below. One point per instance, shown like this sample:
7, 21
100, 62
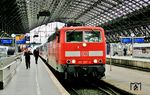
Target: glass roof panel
99, 11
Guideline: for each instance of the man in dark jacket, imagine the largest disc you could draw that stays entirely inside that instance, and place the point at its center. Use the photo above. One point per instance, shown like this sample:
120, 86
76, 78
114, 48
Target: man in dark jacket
27, 54
125, 51
36, 55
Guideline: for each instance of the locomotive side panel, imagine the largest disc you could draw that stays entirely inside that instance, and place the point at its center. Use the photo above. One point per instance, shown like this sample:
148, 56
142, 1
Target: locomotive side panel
54, 54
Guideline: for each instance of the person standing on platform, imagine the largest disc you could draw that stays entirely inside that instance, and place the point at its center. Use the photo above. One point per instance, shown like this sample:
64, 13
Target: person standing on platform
36, 55
27, 54
125, 51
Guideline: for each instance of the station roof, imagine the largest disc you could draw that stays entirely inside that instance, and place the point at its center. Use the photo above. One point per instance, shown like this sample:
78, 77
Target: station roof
120, 17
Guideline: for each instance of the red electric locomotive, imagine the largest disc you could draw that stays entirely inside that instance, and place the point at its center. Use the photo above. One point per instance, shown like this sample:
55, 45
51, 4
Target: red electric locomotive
78, 51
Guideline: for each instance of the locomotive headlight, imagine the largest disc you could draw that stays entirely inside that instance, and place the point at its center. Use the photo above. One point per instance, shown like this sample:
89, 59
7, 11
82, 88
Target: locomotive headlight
84, 44
95, 61
73, 61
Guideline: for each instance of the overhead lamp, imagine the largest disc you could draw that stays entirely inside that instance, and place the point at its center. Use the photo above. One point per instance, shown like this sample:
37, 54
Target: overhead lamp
13, 35
43, 13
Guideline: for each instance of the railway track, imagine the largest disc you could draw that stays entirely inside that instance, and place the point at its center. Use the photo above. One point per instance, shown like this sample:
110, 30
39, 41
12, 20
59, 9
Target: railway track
107, 90
87, 85
100, 91
84, 86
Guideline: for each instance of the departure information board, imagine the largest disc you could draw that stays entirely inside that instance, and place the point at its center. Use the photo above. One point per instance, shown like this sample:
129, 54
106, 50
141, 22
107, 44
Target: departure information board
129, 40
6, 41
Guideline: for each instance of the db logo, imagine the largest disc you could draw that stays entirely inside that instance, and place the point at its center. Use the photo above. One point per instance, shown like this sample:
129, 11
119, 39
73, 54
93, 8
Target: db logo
84, 53
135, 86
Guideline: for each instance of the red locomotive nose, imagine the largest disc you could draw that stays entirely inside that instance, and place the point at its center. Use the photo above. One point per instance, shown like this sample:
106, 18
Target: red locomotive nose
72, 48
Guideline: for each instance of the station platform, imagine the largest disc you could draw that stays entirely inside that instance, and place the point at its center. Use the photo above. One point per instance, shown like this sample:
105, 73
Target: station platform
143, 63
130, 80
38, 80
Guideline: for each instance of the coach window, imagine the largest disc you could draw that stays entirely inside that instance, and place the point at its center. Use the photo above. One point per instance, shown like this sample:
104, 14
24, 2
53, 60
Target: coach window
58, 37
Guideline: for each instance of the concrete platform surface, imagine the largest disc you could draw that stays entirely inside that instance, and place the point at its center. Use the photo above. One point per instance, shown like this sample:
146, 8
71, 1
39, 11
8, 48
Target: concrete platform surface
129, 58
141, 63
37, 80
134, 81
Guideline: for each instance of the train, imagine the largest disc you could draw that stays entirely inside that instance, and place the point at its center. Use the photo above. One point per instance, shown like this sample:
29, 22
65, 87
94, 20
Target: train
77, 50
6, 51
141, 50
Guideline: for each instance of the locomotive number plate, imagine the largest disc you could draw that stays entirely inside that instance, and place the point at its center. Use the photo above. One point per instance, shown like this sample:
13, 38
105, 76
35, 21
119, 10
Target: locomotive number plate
84, 53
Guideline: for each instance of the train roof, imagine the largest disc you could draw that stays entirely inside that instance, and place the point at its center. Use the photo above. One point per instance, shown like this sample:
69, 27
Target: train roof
82, 27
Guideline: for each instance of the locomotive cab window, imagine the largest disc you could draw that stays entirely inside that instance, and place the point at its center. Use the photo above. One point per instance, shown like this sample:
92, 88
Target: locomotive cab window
76, 36
83, 36
92, 36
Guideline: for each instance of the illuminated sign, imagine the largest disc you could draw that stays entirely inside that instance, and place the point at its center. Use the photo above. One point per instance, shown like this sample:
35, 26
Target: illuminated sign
126, 40
129, 40
6, 41
23, 41
20, 39
138, 40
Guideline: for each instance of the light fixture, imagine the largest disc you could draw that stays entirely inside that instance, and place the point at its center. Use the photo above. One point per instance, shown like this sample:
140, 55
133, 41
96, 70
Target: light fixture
73, 61
84, 44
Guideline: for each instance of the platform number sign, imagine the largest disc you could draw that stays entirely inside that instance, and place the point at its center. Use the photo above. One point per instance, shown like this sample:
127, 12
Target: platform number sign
135, 86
